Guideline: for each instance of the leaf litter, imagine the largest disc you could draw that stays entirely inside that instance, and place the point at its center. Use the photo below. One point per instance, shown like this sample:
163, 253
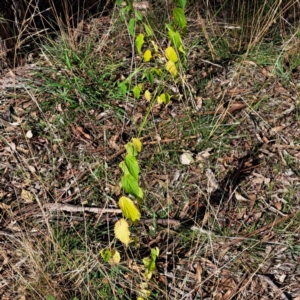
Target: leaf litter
237, 196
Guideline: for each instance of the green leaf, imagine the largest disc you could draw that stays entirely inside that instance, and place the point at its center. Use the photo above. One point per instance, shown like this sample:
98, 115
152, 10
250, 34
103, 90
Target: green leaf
131, 26
155, 252
170, 27
154, 255
105, 254
175, 38
126, 10
164, 98
181, 3
123, 88
119, 2
179, 16
150, 78
156, 71
171, 54
132, 165
136, 92
150, 263
146, 261
148, 75
129, 210
139, 42
124, 168
131, 186
181, 49
138, 15
148, 30
131, 149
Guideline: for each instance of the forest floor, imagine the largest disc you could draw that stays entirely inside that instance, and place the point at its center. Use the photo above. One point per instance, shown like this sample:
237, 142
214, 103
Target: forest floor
220, 169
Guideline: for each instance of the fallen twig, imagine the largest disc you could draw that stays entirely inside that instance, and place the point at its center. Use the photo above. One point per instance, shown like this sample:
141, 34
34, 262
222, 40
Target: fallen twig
75, 208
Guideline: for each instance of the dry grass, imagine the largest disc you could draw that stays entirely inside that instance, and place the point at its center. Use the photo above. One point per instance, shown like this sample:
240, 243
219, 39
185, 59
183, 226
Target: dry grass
232, 230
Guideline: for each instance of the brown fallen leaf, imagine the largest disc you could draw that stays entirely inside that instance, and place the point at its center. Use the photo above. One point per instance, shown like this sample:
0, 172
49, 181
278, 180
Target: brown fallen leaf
86, 135
198, 274
27, 196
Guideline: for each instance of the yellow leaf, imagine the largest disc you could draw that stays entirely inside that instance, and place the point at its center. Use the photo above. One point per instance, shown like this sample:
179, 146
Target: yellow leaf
147, 55
122, 232
144, 292
163, 98
171, 54
148, 274
115, 256
26, 196
170, 67
147, 95
137, 144
155, 46
129, 209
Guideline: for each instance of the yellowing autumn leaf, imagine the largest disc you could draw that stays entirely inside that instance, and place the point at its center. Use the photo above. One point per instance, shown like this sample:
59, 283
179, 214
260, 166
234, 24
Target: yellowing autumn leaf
137, 144
122, 232
137, 91
26, 196
171, 54
147, 55
159, 100
164, 98
155, 46
115, 256
129, 209
170, 67
147, 95
139, 42
144, 292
